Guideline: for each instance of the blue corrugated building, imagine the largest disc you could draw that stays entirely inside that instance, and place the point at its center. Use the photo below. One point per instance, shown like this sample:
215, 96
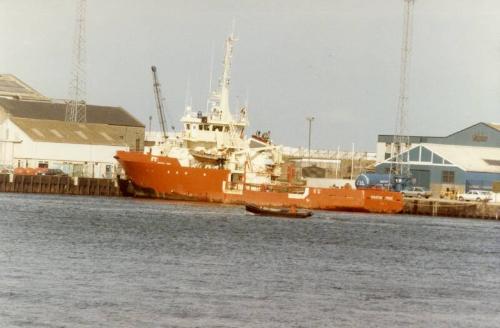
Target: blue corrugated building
467, 159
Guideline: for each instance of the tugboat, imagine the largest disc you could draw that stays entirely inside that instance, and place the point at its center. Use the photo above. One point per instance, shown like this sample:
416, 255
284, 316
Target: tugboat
211, 160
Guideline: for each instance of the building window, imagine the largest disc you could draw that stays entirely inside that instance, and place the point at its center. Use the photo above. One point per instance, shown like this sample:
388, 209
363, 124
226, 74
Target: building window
56, 133
415, 154
108, 171
37, 132
387, 155
448, 177
137, 144
106, 136
436, 159
81, 135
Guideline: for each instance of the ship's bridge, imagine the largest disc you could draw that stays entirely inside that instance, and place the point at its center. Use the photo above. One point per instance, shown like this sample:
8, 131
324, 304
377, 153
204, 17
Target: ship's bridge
212, 130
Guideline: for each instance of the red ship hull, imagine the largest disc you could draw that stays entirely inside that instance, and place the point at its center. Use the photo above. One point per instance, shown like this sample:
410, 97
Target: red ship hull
164, 177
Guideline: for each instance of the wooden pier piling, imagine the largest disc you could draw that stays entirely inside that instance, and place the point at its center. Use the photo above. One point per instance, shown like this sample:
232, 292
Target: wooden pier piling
53, 184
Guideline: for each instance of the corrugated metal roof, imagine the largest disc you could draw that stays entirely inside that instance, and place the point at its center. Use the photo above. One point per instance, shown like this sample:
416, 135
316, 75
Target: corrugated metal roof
73, 133
421, 139
495, 126
11, 86
467, 158
56, 111
475, 159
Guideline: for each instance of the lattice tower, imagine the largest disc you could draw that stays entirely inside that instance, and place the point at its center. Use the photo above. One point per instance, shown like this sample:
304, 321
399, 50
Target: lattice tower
401, 139
76, 108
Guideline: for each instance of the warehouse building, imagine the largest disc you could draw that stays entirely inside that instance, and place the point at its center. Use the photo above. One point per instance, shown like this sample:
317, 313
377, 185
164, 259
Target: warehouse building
34, 134
477, 135
465, 160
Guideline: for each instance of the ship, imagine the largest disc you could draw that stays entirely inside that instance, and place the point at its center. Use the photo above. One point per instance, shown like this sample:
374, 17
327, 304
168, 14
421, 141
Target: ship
213, 161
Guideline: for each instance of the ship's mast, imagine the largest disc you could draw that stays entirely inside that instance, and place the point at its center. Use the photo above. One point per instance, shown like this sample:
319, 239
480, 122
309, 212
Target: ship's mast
225, 81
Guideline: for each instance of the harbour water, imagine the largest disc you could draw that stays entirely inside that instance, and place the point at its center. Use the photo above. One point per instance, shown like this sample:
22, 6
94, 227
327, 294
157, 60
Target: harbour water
69, 261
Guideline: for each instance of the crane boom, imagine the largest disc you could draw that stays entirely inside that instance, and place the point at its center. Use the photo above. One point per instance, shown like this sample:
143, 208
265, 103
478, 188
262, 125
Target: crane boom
160, 107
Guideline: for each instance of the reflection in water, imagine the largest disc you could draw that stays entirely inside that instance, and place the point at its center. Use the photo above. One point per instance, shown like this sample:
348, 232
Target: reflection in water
90, 262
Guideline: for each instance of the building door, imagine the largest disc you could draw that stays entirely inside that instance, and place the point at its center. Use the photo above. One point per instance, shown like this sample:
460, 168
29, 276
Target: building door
422, 177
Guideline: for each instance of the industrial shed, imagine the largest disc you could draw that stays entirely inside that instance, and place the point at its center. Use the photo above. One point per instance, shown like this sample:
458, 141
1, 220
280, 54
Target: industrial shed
33, 133
442, 166
478, 135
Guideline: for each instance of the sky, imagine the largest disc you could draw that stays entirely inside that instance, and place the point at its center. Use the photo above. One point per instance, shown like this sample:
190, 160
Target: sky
336, 60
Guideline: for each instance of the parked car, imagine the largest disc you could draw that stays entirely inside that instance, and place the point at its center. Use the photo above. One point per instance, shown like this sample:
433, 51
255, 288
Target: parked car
475, 195
29, 170
57, 172
418, 192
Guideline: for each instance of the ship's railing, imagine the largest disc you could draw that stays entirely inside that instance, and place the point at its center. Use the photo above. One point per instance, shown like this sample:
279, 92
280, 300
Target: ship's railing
233, 186
275, 188
300, 153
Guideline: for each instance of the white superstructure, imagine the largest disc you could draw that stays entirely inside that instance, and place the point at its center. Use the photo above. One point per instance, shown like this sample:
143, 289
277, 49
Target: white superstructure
216, 137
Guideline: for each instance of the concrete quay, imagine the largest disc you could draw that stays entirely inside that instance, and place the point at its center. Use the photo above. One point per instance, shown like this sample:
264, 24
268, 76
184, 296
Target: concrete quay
452, 208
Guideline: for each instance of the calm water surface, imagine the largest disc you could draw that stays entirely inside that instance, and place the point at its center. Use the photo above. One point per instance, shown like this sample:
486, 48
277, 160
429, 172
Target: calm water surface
97, 262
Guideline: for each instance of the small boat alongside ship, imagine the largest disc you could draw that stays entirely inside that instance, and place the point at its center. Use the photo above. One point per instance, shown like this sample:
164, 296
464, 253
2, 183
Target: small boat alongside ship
213, 161
284, 212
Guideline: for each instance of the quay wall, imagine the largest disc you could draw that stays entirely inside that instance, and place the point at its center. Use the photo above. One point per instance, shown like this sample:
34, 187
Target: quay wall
452, 208
51, 184
47, 184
